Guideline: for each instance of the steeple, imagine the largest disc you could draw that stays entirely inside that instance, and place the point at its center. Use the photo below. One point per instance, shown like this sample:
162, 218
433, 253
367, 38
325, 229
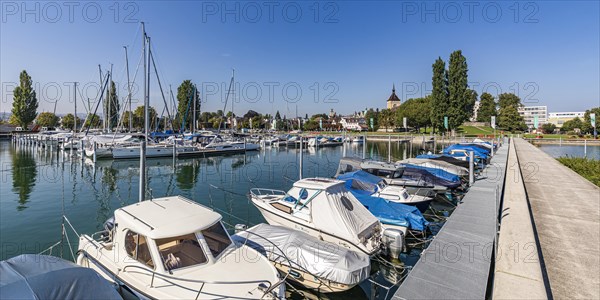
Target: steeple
393, 100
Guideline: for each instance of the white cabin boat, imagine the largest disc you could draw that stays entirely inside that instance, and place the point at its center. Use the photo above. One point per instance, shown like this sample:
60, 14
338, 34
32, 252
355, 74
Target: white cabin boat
323, 208
437, 164
174, 248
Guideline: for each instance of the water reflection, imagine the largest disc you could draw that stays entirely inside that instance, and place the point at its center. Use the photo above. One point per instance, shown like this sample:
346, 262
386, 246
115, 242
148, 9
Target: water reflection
24, 175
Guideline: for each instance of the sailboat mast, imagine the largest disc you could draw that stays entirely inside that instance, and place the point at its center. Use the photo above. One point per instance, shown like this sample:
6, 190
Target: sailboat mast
233, 100
75, 102
109, 100
147, 104
128, 91
103, 106
194, 114
142, 192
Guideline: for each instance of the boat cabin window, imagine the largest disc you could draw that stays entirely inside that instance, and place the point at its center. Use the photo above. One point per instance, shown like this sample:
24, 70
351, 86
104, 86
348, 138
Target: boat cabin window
180, 251
137, 248
217, 239
405, 195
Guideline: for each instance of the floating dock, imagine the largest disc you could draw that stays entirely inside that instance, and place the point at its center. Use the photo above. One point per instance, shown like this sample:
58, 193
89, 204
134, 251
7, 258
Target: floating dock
528, 229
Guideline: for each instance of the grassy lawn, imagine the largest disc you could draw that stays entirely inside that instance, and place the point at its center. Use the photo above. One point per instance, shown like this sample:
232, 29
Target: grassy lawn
475, 131
588, 168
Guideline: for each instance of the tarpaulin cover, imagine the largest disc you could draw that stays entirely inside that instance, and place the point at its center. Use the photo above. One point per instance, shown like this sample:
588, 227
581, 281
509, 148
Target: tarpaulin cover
31, 276
361, 180
437, 164
393, 213
477, 151
446, 158
342, 215
436, 172
307, 253
425, 176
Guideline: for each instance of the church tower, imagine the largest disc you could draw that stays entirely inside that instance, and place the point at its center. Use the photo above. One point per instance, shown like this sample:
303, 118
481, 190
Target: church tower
393, 101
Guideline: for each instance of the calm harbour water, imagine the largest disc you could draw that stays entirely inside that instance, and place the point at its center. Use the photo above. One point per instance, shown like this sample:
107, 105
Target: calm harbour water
38, 185
593, 152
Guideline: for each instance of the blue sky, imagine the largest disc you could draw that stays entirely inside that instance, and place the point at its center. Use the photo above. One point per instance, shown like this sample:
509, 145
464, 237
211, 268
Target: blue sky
340, 55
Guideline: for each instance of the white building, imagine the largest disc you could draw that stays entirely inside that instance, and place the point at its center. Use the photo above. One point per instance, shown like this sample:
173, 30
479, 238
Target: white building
353, 123
559, 118
530, 112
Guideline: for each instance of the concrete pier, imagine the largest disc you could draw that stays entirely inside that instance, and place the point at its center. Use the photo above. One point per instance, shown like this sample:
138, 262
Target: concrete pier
566, 213
456, 265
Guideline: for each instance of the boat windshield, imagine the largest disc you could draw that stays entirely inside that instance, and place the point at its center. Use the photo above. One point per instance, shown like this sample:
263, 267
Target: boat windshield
217, 239
181, 251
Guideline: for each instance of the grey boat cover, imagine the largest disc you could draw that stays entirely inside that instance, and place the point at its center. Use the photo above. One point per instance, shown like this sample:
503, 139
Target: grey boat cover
307, 253
31, 276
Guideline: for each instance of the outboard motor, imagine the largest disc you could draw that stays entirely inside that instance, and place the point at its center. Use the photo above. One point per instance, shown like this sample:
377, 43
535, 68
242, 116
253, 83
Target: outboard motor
393, 242
108, 226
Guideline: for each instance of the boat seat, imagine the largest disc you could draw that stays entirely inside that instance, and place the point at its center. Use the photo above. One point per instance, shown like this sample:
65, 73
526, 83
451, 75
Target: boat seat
172, 262
282, 207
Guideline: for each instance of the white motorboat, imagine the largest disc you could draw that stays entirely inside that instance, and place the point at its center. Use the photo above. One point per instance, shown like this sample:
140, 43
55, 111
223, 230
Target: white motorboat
174, 248
437, 164
323, 208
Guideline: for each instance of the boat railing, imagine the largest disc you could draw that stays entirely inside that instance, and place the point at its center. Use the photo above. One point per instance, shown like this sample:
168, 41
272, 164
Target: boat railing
202, 283
257, 192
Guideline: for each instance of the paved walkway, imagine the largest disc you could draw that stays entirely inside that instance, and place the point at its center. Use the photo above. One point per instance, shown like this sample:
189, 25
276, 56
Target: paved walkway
566, 212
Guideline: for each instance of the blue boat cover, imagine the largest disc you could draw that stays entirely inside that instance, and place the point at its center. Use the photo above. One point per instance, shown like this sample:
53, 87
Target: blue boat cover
361, 176
393, 213
423, 175
477, 151
362, 185
436, 172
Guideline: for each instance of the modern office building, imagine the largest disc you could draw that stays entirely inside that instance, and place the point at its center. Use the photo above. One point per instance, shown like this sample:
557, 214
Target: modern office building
530, 112
559, 118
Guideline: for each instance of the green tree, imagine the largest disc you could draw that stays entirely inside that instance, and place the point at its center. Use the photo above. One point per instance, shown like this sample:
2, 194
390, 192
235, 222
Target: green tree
92, 121
460, 97
487, 108
548, 128
508, 99
126, 119
46, 119
587, 124
416, 111
138, 117
277, 116
372, 114
439, 94
25, 103
508, 114
68, 121
387, 119
311, 125
572, 124
509, 119
185, 99
111, 107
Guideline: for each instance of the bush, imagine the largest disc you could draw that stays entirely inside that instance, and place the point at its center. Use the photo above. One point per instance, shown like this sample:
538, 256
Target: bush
587, 168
